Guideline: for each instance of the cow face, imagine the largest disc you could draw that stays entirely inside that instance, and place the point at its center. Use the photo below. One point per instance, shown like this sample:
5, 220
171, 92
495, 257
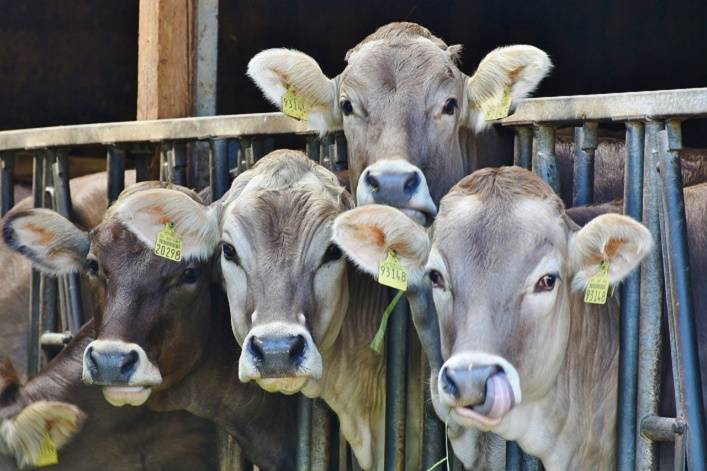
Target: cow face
506, 265
286, 282
402, 101
148, 333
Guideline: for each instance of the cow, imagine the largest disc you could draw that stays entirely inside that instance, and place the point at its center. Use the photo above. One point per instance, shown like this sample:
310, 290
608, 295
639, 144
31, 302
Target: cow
89, 204
160, 326
522, 354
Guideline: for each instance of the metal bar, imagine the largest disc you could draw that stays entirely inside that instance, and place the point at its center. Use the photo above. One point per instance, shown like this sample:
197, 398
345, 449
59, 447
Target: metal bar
34, 306
218, 166
630, 308
234, 148
433, 435
141, 155
341, 159
268, 145
396, 376
523, 147
165, 168
257, 150
544, 159
321, 431
513, 456
55, 339
683, 309
585, 143
661, 429
7, 182
178, 163
116, 172
650, 338
312, 148
325, 153
304, 432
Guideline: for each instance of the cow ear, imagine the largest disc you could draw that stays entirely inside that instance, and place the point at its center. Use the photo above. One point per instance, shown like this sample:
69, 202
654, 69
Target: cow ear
618, 239
518, 69
40, 425
275, 71
367, 233
50, 241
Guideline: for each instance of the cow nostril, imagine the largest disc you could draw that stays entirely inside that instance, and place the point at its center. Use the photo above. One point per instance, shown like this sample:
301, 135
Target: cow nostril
450, 387
412, 182
92, 364
255, 347
128, 363
372, 182
297, 348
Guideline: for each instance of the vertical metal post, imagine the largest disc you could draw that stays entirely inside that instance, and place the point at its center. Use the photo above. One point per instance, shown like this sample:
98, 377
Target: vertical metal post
670, 141
395, 383
116, 172
304, 432
234, 148
325, 152
523, 147
142, 154
257, 150
165, 168
650, 339
630, 307
218, 166
48, 285
312, 148
7, 182
433, 435
178, 163
35, 288
544, 160
585, 143
321, 432
341, 159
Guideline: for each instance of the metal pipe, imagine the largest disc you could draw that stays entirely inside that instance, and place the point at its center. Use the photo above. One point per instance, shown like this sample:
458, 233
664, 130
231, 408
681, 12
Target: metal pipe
115, 163
650, 336
513, 456
661, 429
585, 143
312, 148
178, 163
630, 308
341, 160
396, 376
55, 339
544, 160
523, 147
304, 432
7, 182
321, 432
218, 167
681, 290
34, 306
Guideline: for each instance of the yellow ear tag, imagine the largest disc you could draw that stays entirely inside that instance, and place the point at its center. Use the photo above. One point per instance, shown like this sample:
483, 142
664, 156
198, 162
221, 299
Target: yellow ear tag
598, 286
293, 105
391, 272
47, 452
499, 106
168, 244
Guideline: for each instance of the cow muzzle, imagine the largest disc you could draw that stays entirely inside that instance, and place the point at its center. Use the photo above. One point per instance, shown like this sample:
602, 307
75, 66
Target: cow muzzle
123, 369
480, 389
399, 184
280, 357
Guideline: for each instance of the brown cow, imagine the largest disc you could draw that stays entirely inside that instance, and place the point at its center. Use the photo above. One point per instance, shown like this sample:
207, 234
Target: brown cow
160, 330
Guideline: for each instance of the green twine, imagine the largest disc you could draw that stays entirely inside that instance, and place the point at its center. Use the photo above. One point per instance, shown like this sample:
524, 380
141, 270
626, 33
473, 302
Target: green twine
377, 343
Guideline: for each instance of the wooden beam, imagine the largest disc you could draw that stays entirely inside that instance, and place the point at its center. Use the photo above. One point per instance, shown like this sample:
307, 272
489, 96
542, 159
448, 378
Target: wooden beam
165, 51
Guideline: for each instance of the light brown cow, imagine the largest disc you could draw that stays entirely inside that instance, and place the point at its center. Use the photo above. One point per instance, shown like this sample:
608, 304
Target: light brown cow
413, 120
524, 355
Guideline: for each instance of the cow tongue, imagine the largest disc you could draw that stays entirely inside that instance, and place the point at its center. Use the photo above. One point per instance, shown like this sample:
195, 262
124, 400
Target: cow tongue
499, 397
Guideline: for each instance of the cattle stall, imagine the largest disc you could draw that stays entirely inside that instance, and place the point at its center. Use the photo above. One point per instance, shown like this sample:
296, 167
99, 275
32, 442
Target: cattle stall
652, 194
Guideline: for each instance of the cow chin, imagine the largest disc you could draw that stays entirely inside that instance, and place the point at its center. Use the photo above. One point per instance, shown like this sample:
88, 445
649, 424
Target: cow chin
283, 385
119, 396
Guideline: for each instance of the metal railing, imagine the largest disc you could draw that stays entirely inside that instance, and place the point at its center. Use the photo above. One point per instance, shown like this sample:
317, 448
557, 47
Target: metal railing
234, 143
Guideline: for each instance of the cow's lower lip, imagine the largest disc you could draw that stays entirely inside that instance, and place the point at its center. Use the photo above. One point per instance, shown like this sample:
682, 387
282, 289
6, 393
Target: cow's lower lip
119, 396
288, 386
498, 402
421, 217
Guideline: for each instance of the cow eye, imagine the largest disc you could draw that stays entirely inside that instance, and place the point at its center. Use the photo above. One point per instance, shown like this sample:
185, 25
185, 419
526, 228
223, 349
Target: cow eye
346, 107
333, 252
450, 106
92, 266
229, 252
546, 283
436, 278
190, 276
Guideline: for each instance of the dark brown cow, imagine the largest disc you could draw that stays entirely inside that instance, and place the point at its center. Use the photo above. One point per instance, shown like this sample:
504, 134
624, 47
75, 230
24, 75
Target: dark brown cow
162, 332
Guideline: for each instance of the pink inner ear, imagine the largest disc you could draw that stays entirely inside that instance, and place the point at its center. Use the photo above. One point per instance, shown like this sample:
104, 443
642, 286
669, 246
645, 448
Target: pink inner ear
613, 246
44, 236
157, 212
372, 233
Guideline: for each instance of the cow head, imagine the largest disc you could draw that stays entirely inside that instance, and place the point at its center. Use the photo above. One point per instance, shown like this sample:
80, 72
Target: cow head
507, 266
148, 309
286, 282
404, 105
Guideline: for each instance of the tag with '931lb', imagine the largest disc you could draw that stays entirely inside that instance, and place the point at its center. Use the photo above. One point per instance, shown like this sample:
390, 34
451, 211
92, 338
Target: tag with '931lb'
168, 244
598, 286
391, 272
293, 105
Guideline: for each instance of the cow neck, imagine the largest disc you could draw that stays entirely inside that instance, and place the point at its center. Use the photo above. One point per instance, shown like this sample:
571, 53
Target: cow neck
583, 400
213, 391
354, 375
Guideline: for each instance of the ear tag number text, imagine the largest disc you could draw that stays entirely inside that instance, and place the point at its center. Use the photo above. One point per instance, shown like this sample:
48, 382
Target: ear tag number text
499, 106
168, 244
598, 286
391, 272
293, 105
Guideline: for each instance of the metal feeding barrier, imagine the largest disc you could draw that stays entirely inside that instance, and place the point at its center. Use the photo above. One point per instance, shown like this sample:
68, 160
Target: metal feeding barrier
652, 193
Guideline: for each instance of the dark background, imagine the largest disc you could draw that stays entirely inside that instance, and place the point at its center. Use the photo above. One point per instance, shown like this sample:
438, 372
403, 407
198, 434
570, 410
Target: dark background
75, 61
